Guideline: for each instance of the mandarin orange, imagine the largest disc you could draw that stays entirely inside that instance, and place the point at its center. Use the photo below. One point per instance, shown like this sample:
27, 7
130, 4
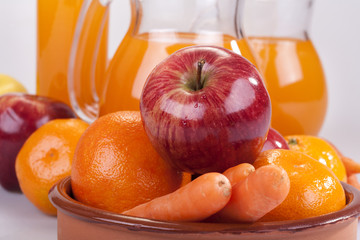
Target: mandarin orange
320, 150
352, 167
314, 189
45, 158
116, 168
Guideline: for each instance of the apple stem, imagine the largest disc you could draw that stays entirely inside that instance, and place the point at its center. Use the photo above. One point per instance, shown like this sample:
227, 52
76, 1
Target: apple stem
200, 65
292, 141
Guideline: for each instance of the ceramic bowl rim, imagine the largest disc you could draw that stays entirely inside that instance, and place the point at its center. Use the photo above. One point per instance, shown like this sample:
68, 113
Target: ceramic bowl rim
60, 197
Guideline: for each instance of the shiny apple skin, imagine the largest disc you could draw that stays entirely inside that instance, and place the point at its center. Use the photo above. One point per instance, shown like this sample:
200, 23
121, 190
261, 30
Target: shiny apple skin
222, 125
20, 116
274, 140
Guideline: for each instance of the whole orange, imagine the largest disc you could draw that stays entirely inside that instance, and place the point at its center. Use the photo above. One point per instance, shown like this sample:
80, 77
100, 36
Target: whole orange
320, 150
116, 168
314, 189
45, 158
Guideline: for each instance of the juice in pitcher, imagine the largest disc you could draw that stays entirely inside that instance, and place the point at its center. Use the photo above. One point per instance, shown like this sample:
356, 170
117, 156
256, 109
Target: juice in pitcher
277, 32
157, 29
139, 54
296, 83
56, 24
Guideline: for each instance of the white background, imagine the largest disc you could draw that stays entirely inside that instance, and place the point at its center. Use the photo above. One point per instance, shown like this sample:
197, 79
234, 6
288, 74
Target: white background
335, 31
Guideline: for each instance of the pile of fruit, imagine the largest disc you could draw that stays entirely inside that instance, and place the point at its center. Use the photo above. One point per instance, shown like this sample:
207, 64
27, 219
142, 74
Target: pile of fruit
200, 149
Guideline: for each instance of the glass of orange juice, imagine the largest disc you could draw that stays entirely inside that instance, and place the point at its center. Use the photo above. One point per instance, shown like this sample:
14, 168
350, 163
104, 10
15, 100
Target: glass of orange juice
277, 31
56, 23
157, 29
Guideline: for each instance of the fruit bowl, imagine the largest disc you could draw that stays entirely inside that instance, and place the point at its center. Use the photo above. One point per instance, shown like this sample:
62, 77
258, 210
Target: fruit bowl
79, 221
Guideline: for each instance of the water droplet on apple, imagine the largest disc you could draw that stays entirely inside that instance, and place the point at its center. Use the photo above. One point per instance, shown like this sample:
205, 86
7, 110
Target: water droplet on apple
184, 123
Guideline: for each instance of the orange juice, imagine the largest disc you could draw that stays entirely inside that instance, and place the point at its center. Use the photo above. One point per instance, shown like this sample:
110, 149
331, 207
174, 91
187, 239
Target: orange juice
296, 83
56, 25
138, 55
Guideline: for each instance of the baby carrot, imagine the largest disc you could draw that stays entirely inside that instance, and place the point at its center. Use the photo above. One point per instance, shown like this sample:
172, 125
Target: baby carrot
353, 181
195, 201
258, 194
351, 166
238, 173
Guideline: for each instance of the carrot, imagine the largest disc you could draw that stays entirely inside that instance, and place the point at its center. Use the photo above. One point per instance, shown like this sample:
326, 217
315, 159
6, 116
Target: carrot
353, 181
258, 194
334, 147
351, 166
239, 173
195, 201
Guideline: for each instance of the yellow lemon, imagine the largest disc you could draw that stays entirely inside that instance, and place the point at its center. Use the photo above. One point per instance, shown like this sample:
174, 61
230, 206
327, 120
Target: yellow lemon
9, 84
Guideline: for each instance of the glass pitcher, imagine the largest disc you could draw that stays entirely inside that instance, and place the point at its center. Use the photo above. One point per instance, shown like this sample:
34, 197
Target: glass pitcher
56, 22
157, 29
277, 32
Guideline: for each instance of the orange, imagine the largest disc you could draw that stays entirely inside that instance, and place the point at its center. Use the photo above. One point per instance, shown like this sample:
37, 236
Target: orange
319, 149
116, 168
314, 189
46, 157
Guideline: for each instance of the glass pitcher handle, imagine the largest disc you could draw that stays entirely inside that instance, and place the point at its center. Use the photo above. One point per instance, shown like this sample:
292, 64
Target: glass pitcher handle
83, 59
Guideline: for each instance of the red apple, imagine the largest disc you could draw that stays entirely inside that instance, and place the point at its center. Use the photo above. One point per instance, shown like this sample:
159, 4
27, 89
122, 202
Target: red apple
20, 116
274, 140
205, 108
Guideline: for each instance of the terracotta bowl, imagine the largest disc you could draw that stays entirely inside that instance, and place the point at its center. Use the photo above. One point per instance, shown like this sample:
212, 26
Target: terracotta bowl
79, 221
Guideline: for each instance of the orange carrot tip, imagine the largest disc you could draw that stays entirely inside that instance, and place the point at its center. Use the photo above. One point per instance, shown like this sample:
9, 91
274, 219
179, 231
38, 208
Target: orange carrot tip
351, 166
353, 181
258, 194
238, 173
195, 201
